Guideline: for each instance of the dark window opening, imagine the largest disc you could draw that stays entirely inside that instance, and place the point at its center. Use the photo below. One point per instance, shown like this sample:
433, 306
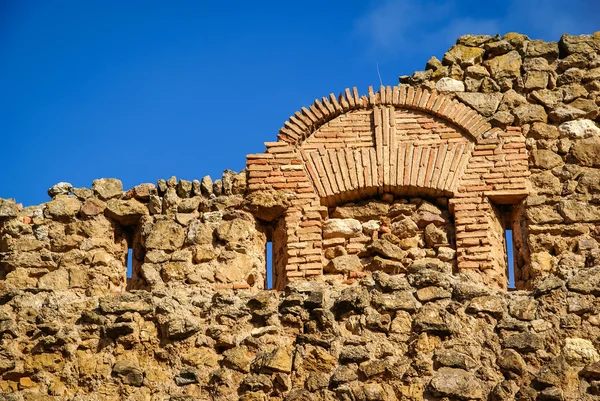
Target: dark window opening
269, 265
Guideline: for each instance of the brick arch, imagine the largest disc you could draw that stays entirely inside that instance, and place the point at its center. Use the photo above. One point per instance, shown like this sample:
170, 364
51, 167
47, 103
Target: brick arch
344, 149
363, 153
306, 121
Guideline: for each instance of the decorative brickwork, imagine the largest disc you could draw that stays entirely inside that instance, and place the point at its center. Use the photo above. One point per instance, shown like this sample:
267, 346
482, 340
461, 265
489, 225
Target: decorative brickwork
398, 141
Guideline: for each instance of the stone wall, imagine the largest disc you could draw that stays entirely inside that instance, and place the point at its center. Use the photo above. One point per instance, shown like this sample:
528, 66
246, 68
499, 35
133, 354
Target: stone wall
387, 215
181, 233
552, 91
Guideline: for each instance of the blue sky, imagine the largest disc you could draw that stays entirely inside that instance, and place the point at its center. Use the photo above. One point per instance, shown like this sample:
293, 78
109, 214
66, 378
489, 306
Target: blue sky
142, 90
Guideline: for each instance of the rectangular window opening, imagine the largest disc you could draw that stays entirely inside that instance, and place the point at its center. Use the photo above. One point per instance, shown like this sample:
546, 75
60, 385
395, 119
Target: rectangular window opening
269, 265
510, 247
129, 263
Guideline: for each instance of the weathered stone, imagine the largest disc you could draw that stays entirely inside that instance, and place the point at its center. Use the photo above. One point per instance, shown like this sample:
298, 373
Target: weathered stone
447, 84
505, 66
62, 188
92, 207
579, 351
497, 48
542, 263
279, 360
235, 231
218, 187
585, 281
539, 48
502, 119
184, 188
266, 205
511, 100
206, 186
569, 44
529, 113
587, 151
63, 207
540, 130
126, 212
474, 40
543, 215
489, 304
402, 300
573, 91
129, 373
562, 113
574, 211
454, 359
512, 361
545, 183
547, 97
344, 264
186, 377
343, 374
341, 228
524, 342
435, 236
536, 80
463, 55
404, 228
515, 38
143, 191
107, 188
485, 103
8, 209
524, 309
354, 354
546, 159
387, 249
166, 235
387, 265
363, 211
238, 359
456, 383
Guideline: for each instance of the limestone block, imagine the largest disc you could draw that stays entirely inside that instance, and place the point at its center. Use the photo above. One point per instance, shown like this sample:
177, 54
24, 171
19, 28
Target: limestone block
447, 84
63, 207
587, 151
344, 264
579, 351
456, 383
579, 129
545, 159
485, 103
165, 235
463, 55
107, 188
574, 211
62, 188
505, 66
126, 212
341, 228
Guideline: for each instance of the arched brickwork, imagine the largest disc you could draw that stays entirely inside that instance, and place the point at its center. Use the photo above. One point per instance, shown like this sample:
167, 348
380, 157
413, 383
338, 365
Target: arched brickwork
401, 141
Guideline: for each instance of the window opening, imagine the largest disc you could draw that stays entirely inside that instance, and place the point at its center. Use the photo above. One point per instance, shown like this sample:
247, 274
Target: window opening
129, 263
269, 265
510, 246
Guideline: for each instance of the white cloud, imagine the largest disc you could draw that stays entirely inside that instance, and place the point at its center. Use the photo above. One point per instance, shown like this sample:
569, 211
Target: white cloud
396, 27
401, 26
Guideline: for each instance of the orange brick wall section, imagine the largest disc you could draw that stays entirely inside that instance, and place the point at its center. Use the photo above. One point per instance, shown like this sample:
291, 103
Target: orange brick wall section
398, 140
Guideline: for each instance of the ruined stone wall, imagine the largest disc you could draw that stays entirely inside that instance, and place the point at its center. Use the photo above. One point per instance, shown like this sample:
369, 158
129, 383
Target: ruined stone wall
180, 233
552, 91
387, 215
